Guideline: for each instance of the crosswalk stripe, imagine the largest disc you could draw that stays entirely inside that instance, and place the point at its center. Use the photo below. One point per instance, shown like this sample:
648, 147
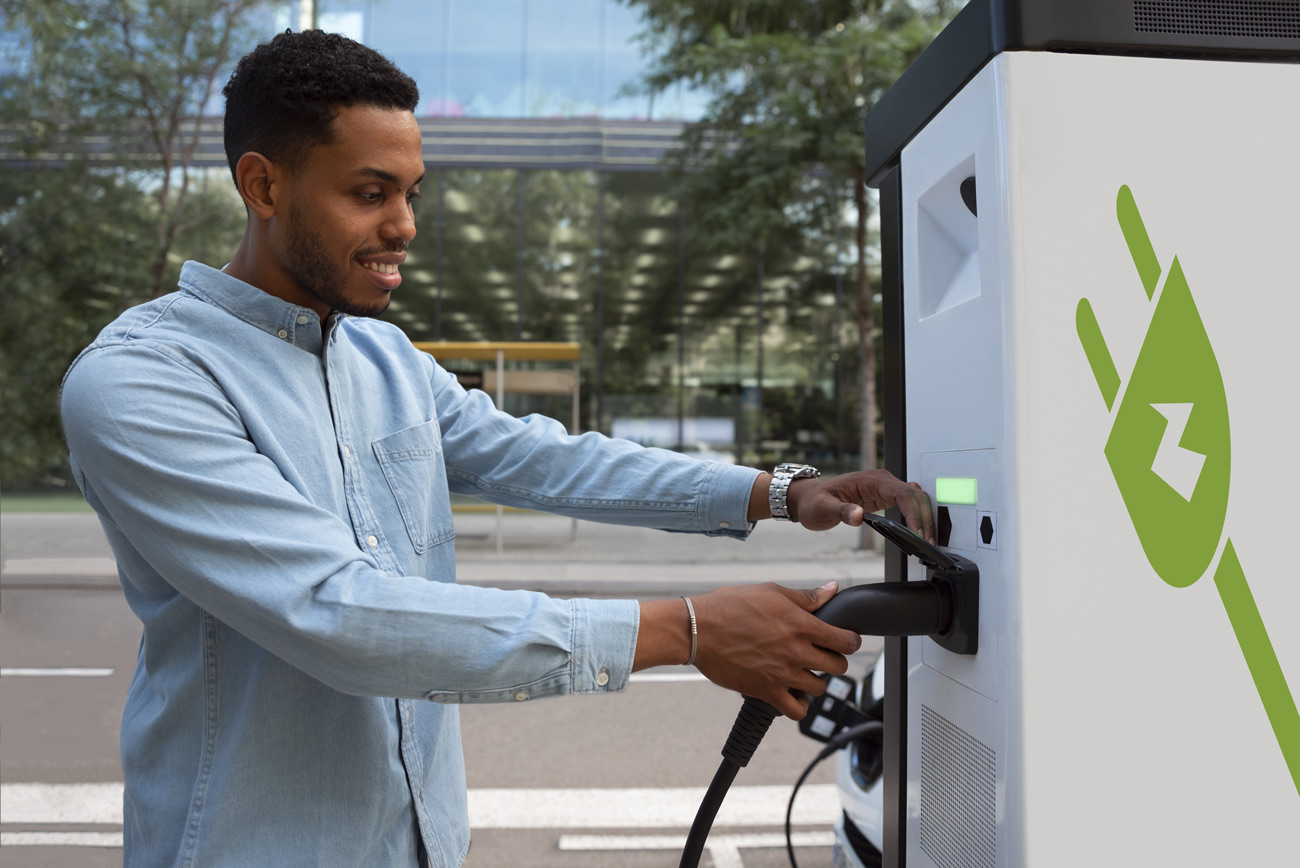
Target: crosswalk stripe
60, 839
48, 672
635, 808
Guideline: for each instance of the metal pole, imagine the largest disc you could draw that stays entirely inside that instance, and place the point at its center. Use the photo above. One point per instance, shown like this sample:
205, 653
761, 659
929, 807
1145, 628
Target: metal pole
440, 254
501, 405
600, 302
681, 327
839, 332
519, 258
758, 416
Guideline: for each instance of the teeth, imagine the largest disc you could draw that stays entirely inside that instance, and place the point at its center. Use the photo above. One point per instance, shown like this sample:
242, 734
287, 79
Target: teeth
380, 267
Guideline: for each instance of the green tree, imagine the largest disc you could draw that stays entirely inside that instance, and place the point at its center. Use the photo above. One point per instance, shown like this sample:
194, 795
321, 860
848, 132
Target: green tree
789, 84
100, 102
139, 73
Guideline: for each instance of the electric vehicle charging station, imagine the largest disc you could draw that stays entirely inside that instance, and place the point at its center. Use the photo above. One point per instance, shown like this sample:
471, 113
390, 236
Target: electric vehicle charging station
1090, 220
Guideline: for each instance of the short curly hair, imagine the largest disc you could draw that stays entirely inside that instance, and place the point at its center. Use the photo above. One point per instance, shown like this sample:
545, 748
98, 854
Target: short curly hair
284, 95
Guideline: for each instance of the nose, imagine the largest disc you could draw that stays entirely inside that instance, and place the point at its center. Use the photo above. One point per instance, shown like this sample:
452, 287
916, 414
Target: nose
400, 222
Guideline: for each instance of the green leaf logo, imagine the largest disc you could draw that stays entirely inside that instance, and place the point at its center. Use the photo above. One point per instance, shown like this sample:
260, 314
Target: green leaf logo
1169, 450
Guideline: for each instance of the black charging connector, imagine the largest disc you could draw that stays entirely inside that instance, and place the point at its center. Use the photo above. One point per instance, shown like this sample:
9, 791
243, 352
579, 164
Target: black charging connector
945, 607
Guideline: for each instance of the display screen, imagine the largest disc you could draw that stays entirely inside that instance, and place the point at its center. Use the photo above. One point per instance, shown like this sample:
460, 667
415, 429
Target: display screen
957, 490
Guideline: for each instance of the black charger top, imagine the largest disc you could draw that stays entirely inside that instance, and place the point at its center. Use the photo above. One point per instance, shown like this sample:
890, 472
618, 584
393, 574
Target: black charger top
1267, 30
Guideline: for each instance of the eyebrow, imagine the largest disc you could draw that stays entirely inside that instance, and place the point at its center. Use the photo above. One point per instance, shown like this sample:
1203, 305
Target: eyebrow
380, 174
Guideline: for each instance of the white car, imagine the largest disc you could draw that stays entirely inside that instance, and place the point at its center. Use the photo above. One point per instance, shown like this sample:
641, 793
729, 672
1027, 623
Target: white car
859, 832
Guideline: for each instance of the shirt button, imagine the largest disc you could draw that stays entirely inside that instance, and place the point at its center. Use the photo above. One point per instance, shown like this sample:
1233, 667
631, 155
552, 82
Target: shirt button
602, 678
347, 453
373, 542
282, 333
724, 524
302, 319
521, 696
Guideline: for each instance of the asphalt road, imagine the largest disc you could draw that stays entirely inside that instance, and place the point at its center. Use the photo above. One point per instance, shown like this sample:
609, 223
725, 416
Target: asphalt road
574, 781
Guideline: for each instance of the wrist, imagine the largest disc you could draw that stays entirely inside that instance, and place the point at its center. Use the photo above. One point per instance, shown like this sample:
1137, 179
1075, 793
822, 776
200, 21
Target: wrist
795, 496
664, 635
783, 477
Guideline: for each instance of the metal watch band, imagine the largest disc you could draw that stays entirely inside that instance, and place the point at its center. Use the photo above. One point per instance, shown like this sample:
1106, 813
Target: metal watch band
782, 476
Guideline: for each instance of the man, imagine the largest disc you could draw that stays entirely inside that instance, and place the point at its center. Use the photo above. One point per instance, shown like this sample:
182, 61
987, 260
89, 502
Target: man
272, 469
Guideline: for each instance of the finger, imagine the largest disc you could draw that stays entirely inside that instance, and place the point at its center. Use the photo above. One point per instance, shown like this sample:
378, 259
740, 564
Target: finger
851, 514
808, 684
793, 707
829, 662
927, 511
812, 599
836, 640
909, 505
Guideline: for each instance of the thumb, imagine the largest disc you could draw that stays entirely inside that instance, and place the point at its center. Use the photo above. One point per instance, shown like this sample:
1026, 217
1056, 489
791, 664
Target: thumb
815, 598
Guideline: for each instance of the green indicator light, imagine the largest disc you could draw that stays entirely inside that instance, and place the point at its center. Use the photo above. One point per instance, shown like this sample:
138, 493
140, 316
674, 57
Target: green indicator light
959, 490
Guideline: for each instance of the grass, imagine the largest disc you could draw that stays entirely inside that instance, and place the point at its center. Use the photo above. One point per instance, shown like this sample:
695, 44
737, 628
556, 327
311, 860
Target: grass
55, 502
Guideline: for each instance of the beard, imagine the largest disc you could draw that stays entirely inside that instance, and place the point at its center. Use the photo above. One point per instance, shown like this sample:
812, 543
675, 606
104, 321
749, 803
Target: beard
308, 263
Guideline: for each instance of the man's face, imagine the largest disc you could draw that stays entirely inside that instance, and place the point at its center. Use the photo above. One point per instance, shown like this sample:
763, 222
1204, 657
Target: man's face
348, 218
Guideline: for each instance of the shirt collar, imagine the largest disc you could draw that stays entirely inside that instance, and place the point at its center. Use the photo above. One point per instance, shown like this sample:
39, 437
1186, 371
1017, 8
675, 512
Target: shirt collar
275, 316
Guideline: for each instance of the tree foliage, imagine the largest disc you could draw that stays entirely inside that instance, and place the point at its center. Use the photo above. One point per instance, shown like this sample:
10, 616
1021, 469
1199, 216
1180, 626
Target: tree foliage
136, 74
97, 195
789, 84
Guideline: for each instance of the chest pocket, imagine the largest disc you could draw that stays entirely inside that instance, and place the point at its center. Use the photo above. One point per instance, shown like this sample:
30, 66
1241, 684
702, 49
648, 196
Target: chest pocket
412, 463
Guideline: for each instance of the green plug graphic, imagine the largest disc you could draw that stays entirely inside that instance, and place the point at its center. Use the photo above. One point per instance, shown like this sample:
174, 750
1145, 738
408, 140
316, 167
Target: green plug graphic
1169, 450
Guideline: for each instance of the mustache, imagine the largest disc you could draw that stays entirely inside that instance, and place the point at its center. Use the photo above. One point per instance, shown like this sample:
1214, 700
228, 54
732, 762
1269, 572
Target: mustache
397, 246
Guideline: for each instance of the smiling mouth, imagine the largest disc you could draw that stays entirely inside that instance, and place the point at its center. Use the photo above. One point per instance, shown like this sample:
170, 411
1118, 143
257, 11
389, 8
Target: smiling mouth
380, 267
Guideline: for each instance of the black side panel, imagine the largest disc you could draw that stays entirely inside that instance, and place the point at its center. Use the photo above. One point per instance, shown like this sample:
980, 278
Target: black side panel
952, 59
894, 407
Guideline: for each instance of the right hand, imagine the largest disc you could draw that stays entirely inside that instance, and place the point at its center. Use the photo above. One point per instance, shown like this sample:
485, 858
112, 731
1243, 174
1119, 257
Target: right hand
763, 641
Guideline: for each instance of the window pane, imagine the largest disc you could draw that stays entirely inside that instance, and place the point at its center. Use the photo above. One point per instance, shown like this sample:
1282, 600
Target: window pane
485, 60
411, 33
559, 256
480, 256
623, 63
563, 58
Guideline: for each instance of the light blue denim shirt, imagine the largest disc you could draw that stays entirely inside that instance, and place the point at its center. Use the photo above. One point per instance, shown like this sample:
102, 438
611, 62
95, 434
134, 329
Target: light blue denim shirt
278, 505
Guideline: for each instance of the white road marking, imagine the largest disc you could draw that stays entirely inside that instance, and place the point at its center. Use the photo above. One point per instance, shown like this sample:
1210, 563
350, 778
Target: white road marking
65, 672
88, 567
648, 808
61, 803
60, 839
665, 677
724, 849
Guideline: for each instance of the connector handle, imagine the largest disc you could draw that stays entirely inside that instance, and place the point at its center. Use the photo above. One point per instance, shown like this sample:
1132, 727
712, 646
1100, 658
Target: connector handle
891, 609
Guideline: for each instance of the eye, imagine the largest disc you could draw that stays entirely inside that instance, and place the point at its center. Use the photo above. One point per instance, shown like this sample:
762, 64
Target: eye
370, 195
412, 196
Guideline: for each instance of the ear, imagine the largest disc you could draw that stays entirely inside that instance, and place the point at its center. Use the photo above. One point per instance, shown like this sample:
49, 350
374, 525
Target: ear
260, 183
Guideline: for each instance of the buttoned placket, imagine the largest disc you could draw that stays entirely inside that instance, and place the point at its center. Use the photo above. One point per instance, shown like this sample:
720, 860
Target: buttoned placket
364, 522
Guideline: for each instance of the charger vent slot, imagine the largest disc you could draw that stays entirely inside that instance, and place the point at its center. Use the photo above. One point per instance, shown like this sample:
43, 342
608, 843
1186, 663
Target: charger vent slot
1265, 19
959, 802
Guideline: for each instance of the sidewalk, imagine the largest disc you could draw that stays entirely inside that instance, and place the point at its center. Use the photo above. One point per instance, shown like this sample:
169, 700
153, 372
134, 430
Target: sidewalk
540, 552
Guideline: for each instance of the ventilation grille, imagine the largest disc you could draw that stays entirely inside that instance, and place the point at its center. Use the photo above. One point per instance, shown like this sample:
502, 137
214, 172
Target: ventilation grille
958, 795
1265, 19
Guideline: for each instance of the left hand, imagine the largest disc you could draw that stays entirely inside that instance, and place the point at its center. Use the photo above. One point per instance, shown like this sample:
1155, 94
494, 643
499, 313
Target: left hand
824, 502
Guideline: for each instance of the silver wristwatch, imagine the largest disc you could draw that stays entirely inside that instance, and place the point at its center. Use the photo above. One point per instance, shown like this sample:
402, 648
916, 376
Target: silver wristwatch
782, 476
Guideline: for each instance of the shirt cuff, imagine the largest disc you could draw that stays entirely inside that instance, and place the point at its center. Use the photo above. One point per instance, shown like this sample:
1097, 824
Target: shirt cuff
724, 502
604, 643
